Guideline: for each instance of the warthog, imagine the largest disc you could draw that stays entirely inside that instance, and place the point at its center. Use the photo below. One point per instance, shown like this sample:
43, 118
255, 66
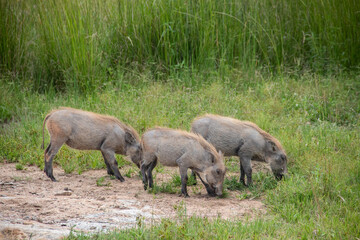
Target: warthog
186, 150
244, 139
90, 131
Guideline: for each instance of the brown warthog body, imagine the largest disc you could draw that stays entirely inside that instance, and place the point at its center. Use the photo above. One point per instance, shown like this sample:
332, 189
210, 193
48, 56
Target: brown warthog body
186, 150
244, 139
90, 131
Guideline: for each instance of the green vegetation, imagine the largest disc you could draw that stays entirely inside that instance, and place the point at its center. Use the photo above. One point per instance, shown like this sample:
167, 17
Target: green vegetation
315, 117
19, 167
85, 45
292, 67
100, 182
130, 172
173, 186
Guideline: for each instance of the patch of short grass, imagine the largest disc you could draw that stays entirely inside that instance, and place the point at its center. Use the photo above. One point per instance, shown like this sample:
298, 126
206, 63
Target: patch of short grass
164, 187
23, 178
176, 180
130, 172
173, 186
101, 182
19, 167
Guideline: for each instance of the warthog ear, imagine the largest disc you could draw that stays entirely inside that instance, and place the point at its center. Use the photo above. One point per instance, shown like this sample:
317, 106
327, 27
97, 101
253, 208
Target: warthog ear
220, 153
129, 138
272, 145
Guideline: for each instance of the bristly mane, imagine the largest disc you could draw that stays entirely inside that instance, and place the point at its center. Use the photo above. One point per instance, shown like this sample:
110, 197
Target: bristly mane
127, 128
249, 124
194, 136
264, 134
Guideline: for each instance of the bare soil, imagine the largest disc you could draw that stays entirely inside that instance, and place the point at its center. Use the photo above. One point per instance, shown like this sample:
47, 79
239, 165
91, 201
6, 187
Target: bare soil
34, 207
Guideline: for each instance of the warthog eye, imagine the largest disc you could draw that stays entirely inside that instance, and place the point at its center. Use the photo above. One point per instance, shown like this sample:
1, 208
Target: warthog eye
218, 171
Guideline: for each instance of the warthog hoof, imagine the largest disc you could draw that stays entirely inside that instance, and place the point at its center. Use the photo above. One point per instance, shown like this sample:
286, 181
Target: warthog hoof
50, 175
121, 179
243, 182
184, 195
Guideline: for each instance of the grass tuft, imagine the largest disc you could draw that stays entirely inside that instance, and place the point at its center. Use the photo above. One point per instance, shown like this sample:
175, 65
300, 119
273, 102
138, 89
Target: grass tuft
100, 182
84, 46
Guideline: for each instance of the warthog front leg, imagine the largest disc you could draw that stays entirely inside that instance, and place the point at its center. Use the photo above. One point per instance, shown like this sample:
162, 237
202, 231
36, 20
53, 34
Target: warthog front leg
109, 157
242, 174
144, 177
109, 170
147, 165
209, 190
149, 173
183, 167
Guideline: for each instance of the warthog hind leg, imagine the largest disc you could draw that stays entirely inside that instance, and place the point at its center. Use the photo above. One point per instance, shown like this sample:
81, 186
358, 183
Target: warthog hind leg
183, 167
49, 155
245, 169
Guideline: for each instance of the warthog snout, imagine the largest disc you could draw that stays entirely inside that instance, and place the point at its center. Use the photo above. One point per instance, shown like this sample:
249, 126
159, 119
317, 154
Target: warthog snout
213, 191
278, 166
215, 180
218, 191
279, 176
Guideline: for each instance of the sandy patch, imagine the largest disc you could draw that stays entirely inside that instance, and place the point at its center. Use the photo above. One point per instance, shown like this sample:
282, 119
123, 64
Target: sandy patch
32, 206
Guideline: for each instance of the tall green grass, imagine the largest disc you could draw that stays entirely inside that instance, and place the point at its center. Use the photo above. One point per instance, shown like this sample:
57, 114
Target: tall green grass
85, 44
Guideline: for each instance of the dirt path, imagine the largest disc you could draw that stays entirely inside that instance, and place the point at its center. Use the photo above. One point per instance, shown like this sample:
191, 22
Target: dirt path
31, 206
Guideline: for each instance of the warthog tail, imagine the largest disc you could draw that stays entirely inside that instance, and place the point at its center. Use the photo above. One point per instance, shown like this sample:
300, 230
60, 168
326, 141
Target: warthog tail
46, 118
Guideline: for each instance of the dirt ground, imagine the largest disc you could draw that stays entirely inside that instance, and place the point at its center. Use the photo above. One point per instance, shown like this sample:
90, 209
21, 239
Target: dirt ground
33, 207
